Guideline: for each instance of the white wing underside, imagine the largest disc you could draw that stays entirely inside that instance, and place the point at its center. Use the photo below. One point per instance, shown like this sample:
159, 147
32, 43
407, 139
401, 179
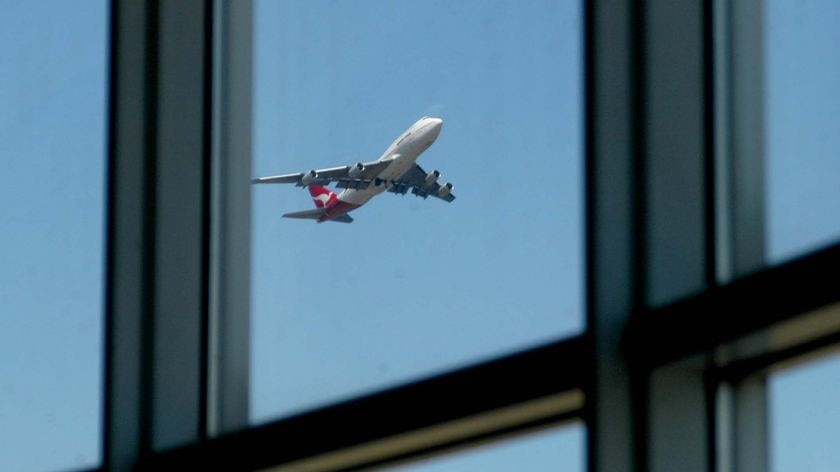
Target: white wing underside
414, 179
332, 174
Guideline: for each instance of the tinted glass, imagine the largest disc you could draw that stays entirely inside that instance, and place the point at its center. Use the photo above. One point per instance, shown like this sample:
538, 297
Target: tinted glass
53, 63
413, 286
802, 136
551, 450
805, 417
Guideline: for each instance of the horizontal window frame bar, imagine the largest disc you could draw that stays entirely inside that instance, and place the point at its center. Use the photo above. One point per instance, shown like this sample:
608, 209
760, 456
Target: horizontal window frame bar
416, 445
741, 369
452, 397
703, 322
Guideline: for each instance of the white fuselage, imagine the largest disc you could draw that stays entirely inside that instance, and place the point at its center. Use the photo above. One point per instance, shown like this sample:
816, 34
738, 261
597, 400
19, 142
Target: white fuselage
402, 153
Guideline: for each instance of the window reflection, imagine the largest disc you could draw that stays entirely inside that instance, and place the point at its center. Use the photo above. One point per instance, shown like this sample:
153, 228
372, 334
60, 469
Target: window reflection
413, 287
52, 139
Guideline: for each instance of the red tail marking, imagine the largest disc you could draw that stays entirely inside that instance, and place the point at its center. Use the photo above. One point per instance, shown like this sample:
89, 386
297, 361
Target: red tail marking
322, 196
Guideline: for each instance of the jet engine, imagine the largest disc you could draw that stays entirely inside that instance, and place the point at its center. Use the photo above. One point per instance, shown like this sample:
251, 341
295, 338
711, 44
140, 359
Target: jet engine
308, 178
444, 190
432, 177
355, 171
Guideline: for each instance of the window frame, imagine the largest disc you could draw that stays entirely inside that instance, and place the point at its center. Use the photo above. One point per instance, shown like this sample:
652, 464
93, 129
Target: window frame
156, 238
174, 379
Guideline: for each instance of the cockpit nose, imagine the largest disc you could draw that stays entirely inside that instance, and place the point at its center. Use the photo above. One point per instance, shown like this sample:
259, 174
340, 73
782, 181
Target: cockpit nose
434, 126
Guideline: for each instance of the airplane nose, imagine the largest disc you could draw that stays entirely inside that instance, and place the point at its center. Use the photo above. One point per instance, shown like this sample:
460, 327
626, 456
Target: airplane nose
435, 127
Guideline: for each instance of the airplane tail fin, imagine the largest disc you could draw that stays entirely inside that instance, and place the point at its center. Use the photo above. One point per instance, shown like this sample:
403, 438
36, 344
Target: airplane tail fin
322, 196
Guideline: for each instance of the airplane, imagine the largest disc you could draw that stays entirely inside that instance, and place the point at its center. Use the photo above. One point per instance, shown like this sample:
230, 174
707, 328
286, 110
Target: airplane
396, 171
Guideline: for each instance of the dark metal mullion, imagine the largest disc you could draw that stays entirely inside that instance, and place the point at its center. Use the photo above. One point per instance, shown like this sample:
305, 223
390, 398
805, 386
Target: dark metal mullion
130, 207
746, 81
641, 267
590, 214
180, 284
613, 250
149, 234
553, 421
675, 170
739, 370
228, 333
455, 396
712, 415
747, 155
711, 223
154, 254
747, 305
709, 147
110, 244
207, 211
640, 162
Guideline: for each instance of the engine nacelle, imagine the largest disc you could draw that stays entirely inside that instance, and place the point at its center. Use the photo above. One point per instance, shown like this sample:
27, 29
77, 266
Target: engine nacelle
432, 177
444, 190
355, 171
308, 178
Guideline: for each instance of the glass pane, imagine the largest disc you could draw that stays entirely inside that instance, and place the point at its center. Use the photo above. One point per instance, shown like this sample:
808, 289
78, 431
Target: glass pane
802, 130
550, 450
53, 66
805, 417
413, 287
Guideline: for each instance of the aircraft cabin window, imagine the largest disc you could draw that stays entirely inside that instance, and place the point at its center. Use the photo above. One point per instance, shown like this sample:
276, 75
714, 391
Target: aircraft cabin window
455, 252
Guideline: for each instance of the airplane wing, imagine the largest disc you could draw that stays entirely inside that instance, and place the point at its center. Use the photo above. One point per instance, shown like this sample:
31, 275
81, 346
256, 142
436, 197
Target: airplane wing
415, 179
356, 176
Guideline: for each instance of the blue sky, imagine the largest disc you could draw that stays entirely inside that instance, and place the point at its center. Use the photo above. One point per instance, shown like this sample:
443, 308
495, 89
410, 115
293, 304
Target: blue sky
802, 140
415, 287
52, 149
802, 132
412, 287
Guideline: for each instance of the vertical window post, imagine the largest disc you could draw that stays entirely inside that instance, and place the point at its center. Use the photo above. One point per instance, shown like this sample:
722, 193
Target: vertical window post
611, 239
230, 269
157, 244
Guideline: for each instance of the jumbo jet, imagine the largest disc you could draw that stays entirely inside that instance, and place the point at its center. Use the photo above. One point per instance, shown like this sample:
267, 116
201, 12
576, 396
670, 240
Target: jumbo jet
395, 171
